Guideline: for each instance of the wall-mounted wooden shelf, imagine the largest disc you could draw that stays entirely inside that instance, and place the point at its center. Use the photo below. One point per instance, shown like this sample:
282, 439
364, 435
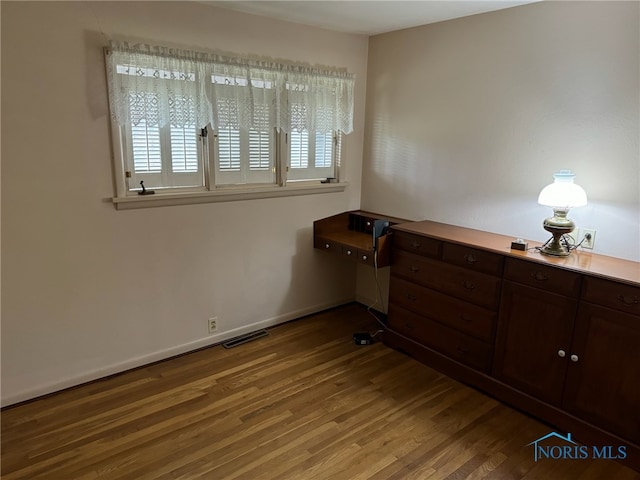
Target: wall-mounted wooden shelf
350, 234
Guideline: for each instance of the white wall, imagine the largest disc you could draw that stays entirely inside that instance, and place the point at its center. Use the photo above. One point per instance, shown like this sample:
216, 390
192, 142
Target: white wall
88, 290
468, 119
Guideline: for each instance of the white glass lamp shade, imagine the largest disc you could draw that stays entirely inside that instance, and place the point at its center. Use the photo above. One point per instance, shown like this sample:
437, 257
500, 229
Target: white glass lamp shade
563, 193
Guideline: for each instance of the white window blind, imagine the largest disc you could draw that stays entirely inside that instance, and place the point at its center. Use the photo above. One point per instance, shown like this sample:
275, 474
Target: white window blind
312, 157
184, 149
299, 156
145, 142
259, 150
229, 149
324, 150
243, 155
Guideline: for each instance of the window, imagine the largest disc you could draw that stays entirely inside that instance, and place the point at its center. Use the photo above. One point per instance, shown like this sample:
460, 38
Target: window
198, 122
244, 155
312, 157
162, 157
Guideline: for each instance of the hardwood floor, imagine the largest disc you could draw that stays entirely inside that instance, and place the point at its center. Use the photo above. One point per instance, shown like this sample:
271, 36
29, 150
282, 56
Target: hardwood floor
303, 403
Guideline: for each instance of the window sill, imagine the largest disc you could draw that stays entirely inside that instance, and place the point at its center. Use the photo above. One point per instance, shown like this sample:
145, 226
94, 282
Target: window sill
225, 195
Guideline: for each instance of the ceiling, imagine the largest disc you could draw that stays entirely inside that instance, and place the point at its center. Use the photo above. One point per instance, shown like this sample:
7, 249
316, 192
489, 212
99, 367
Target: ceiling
368, 17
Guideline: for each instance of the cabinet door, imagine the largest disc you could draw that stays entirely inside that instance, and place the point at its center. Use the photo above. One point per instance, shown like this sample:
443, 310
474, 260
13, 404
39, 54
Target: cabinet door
533, 340
603, 380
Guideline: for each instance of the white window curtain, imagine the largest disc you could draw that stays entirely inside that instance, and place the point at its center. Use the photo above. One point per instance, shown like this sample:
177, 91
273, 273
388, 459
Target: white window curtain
163, 86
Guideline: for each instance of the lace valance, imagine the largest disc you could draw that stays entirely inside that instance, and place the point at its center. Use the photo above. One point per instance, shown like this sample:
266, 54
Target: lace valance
183, 88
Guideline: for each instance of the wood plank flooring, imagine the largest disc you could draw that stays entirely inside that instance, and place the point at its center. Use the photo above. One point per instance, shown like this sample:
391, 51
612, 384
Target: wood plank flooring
304, 403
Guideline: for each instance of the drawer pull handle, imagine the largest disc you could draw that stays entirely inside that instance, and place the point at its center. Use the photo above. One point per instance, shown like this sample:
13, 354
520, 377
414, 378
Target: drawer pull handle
414, 269
468, 285
413, 298
364, 258
628, 300
574, 358
470, 258
539, 276
416, 244
348, 252
326, 245
561, 353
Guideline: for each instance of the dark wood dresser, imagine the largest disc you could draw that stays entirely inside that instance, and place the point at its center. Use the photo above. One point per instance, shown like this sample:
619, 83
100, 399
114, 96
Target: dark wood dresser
558, 338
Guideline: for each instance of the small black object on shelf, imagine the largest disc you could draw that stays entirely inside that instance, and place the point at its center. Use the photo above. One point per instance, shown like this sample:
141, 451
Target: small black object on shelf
519, 244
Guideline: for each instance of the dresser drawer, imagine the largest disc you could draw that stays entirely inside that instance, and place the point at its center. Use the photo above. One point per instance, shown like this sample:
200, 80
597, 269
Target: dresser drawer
474, 287
548, 278
456, 345
327, 245
479, 260
412, 267
459, 315
619, 296
349, 252
417, 244
365, 256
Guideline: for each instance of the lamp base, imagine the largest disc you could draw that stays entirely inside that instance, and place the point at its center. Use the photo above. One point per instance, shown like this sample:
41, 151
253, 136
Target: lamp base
554, 246
558, 225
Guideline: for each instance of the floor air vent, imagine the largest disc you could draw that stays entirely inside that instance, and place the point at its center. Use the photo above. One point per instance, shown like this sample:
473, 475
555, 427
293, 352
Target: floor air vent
247, 337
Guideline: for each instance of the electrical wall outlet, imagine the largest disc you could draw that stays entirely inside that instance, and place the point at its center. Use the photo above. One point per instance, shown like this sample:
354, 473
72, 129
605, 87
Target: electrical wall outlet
213, 324
589, 235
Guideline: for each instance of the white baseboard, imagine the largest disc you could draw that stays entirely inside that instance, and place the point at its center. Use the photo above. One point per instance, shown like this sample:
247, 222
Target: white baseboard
136, 362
